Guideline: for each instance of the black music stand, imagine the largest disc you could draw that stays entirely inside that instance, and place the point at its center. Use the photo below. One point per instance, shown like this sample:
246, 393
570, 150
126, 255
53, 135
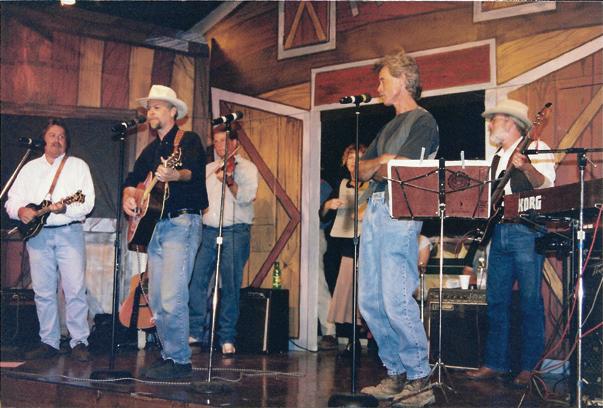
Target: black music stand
412, 184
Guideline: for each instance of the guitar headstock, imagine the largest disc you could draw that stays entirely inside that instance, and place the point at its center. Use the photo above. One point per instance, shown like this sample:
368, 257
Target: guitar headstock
174, 160
542, 116
78, 197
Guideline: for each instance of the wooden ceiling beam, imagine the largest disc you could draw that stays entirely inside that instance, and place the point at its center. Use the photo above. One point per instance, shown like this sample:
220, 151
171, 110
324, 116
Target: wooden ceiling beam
95, 25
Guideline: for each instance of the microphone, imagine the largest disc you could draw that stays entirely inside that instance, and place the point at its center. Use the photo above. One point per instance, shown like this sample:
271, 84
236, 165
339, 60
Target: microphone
231, 117
125, 125
356, 99
31, 143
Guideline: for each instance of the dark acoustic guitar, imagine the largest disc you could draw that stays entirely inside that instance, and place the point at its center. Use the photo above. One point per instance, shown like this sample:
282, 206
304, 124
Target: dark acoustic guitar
150, 199
484, 234
135, 310
33, 227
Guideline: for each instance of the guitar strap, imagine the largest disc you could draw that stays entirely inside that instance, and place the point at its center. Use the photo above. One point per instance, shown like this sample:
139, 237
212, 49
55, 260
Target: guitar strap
56, 177
166, 191
178, 139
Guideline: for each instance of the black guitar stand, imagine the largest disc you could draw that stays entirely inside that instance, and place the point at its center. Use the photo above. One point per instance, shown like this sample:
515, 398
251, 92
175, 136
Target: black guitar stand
111, 373
210, 387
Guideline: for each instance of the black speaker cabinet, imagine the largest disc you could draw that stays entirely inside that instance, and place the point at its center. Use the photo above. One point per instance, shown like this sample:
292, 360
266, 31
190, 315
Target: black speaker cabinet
19, 318
464, 327
263, 325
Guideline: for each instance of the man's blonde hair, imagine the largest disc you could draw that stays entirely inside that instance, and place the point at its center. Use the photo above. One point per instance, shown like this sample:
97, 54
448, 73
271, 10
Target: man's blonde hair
402, 63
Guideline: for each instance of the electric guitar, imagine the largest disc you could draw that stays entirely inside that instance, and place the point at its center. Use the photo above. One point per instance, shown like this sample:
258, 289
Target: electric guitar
150, 199
33, 227
135, 310
483, 235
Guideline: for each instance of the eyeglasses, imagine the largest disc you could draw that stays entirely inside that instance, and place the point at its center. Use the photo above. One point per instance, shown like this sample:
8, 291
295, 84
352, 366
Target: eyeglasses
493, 118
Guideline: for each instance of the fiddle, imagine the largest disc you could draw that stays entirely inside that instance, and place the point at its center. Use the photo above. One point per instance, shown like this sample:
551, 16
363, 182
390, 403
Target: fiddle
230, 167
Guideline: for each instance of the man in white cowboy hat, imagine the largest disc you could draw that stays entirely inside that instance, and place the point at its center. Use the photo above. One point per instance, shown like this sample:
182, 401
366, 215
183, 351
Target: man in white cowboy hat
513, 254
176, 236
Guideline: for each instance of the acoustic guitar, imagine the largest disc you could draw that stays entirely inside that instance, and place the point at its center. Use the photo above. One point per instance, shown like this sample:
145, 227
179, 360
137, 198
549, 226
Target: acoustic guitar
484, 234
150, 197
33, 227
135, 310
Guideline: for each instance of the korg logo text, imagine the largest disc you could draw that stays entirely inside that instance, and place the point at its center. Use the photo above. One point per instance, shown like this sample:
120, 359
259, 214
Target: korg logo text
530, 203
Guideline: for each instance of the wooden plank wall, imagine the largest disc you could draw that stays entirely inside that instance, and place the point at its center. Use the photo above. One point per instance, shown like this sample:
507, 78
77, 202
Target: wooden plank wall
61, 69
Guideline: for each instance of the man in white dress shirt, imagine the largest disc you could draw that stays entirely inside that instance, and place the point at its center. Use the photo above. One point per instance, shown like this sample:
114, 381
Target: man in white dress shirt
57, 252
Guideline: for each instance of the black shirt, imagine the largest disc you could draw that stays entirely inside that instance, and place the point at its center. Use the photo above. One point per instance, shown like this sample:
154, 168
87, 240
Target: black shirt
182, 194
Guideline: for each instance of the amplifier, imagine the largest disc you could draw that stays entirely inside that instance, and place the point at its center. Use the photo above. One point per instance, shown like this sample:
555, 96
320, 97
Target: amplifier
458, 296
19, 318
263, 325
464, 327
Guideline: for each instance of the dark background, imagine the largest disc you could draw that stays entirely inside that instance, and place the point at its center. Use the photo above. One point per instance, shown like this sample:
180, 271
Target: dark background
91, 141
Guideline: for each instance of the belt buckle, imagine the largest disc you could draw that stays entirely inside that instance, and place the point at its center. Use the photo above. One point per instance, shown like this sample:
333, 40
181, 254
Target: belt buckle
378, 196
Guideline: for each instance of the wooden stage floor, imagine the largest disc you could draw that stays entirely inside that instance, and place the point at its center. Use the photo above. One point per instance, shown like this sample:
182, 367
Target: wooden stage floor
295, 379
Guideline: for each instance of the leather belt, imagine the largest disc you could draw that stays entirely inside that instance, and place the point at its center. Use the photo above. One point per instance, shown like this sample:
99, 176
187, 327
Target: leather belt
178, 213
64, 225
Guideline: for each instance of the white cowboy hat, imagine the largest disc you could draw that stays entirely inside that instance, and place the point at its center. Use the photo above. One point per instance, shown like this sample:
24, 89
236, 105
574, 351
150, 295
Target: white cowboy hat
164, 93
517, 110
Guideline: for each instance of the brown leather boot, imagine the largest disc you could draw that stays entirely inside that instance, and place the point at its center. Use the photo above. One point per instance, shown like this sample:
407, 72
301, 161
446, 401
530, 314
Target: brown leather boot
484, 373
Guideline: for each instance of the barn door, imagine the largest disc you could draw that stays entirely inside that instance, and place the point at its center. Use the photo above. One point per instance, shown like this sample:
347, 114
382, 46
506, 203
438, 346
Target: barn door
273, 137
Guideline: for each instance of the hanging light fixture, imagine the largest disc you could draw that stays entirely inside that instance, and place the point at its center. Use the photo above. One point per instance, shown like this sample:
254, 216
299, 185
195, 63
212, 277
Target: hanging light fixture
67, 2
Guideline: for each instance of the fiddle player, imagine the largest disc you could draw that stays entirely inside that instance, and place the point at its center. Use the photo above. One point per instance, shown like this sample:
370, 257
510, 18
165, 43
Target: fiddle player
175, 238
242, 184
513, 254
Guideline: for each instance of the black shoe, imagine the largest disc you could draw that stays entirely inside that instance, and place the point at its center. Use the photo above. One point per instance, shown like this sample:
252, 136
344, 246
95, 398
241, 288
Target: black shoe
168, 370
347, 352
41, 351
80, 353
327, 343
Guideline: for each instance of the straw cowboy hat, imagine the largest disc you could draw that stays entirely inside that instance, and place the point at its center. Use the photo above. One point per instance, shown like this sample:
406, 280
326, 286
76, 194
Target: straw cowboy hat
517, 110
164, 93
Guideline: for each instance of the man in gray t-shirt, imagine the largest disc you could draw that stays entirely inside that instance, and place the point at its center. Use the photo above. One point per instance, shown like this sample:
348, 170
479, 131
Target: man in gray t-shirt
388, 273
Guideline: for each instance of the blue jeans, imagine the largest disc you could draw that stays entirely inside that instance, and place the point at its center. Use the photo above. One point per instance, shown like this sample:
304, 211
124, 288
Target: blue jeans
388, 276
60, 254
235, 253
171, 257
513, 257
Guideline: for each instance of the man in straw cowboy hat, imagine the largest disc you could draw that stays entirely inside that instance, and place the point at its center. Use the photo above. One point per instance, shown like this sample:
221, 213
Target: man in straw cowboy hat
175, 239
513, 254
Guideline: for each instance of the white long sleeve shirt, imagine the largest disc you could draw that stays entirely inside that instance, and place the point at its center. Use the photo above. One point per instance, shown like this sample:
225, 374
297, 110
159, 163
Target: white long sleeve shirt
239, 209
544, 163
34, 180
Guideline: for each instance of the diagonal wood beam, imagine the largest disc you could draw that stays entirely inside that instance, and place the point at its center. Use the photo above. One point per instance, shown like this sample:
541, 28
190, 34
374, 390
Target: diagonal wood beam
580, 124
316, 22
295, 24
281, 195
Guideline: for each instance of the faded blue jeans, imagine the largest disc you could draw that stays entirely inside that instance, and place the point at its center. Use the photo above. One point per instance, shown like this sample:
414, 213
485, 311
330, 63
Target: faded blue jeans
388, 276
171, 258
59, 254
235, 253
513, 258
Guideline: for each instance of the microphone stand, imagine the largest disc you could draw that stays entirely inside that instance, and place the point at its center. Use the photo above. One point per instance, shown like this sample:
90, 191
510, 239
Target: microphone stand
209, 386
354, 399
111, 373
13, 176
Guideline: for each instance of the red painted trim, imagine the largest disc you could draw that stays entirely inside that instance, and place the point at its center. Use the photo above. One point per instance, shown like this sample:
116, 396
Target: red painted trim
438, 71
